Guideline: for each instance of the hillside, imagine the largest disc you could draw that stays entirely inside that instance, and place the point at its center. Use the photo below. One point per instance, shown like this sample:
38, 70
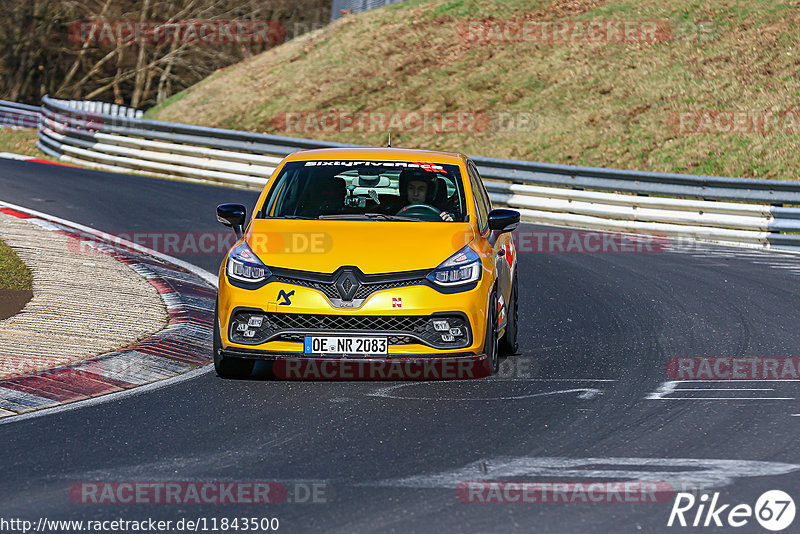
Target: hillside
658, 102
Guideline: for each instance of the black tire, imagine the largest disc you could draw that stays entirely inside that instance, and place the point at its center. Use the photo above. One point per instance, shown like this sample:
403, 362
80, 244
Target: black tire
508, 343
228, 367
490, 343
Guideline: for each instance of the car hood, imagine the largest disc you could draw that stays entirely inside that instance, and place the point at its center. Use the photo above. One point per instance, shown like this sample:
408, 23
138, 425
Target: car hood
372, 246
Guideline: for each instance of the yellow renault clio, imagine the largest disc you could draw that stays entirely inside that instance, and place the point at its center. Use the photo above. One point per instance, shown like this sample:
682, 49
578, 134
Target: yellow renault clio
368, 263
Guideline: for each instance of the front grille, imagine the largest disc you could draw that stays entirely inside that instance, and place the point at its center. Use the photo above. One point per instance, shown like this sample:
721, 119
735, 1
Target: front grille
368, 284
400, 329
367, 323
329, 290
368, 289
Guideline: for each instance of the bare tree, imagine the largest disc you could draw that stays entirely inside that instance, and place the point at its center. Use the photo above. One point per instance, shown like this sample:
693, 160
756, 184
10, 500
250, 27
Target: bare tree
44, 48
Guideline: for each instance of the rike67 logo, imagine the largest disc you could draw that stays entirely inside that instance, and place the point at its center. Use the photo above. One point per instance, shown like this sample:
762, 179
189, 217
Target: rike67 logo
774, 510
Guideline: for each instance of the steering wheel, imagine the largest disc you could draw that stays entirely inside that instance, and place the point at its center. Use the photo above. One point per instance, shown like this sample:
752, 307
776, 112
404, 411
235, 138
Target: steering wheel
426, 212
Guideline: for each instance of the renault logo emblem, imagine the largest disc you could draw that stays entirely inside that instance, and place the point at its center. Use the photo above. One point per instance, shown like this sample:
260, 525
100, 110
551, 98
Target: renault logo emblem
347, 284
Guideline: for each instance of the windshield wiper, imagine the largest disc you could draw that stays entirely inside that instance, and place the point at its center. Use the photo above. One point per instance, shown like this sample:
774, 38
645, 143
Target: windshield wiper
367, 216
345, 217
303, 217
384, 217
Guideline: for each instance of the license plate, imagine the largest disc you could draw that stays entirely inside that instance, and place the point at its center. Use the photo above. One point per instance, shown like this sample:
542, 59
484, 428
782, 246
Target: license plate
360, 346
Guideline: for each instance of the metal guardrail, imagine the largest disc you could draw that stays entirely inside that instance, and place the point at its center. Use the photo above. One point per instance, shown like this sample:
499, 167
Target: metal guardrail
735, 210
357, 6
13, 115
104, 107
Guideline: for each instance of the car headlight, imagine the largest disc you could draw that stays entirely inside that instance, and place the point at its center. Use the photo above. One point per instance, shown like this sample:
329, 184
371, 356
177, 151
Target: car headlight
461, 268
244, 265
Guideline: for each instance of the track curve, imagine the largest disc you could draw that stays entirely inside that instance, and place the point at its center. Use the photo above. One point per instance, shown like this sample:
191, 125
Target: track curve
597, 331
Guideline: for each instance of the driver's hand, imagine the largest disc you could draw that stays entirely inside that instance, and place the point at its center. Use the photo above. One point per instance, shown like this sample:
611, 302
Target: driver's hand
446, 216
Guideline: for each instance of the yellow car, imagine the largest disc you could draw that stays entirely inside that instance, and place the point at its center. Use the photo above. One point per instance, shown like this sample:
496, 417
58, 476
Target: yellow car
368, 263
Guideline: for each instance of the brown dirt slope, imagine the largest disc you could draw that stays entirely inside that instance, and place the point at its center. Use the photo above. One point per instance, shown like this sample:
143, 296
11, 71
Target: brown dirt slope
611, 104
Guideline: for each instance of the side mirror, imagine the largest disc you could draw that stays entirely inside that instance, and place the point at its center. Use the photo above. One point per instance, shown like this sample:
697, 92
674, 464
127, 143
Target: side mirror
502, 220
232, 216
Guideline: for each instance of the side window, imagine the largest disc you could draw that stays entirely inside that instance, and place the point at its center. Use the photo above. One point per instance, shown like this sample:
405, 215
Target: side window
484, 195
480, 201
481, 198
483, 189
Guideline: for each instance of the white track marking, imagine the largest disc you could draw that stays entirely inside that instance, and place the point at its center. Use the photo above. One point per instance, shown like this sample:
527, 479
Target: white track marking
665, 388
724, 389
387, 392
775, 261
671, 386
683, 474
741, 380
12, 155
555, 379
725, 398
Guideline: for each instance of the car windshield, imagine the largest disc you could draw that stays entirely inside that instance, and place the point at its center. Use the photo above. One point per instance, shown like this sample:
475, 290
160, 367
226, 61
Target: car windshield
367, 190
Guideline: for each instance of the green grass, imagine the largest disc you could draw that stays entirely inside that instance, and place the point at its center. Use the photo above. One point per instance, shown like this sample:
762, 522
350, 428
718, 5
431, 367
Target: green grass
597, 104
21, 141
13, 273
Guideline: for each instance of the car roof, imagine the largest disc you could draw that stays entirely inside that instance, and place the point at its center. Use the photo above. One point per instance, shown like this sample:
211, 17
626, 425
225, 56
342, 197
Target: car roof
380, 154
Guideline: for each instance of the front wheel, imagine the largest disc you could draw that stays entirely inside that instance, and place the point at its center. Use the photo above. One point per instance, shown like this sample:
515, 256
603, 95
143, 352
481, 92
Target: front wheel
490, 344
509, 345
228, 367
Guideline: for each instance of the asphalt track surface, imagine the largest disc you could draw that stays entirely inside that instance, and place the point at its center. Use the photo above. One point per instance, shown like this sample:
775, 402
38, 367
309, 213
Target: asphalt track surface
596, 333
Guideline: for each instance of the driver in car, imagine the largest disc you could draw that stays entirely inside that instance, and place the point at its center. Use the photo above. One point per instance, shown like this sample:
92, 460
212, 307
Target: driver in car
420, 187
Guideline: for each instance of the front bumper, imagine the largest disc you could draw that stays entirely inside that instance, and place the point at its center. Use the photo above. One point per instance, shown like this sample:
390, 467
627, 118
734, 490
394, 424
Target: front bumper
404, 314
298, 366
444, 331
